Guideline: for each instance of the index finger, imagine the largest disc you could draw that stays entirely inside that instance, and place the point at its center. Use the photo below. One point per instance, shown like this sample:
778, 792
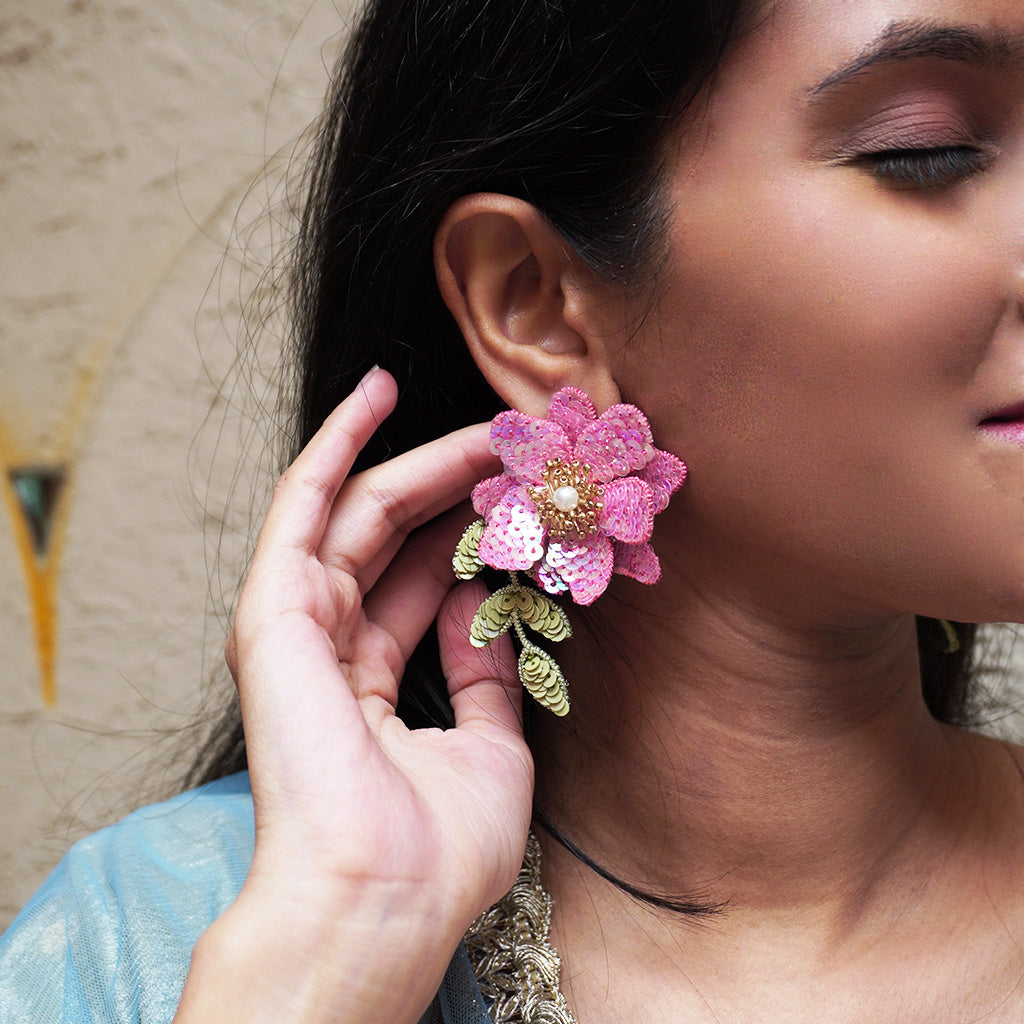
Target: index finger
305, 492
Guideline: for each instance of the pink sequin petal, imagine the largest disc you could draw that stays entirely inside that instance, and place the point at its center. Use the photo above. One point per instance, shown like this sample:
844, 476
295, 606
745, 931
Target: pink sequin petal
599, 448
525, 443
627, 512
549, 579
633, 430
513, 537
585, 565
638, 561
488, 493
665, 473
616, 443
572, 410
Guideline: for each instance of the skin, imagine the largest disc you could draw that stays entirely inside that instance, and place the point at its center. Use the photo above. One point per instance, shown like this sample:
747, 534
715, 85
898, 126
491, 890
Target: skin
825, 344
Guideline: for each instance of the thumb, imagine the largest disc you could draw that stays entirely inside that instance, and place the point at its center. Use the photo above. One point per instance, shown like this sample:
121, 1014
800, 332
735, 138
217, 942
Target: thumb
483, 682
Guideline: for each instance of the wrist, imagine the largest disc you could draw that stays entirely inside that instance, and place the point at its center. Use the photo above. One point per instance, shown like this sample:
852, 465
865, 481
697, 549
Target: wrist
367, 953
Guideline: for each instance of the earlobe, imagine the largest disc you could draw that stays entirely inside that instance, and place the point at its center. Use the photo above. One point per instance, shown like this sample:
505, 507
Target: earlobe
510, 280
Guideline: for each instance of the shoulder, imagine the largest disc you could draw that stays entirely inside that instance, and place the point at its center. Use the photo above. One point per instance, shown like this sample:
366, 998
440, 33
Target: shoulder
205, 832
109, 935
197, 845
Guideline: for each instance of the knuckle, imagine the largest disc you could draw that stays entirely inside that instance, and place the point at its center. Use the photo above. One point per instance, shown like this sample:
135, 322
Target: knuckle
393, 658
299, 484
392, 505
350, 600
281, 482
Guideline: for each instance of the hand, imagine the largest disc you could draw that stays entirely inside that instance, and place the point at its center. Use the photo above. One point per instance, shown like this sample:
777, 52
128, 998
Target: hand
366, 830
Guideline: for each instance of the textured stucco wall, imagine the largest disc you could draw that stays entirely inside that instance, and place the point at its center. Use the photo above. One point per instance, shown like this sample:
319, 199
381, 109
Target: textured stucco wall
130, 135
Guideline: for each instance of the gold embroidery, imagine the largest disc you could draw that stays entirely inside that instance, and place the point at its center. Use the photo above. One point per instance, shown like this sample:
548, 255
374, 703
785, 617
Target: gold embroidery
515, 965
568, 503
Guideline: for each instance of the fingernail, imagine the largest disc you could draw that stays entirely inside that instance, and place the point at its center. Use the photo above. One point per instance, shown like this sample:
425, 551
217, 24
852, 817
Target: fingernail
369, 373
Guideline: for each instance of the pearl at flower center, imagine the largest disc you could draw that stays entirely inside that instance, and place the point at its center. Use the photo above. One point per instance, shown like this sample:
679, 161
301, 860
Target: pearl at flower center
566, 498
568, 504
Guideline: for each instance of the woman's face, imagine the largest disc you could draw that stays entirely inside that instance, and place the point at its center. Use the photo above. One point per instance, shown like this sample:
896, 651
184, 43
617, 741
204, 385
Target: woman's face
840, 327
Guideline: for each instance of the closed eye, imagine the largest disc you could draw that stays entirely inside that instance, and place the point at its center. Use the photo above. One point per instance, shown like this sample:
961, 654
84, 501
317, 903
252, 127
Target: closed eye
936, 167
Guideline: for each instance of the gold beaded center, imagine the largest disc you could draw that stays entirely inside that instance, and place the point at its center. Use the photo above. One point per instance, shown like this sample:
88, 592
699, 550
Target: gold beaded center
567, 504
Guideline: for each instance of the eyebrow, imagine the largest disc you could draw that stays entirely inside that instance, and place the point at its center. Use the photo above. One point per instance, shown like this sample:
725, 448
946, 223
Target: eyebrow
904, 41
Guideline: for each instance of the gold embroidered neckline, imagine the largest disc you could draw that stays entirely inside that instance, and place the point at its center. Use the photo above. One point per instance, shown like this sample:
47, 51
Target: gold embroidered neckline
516, 966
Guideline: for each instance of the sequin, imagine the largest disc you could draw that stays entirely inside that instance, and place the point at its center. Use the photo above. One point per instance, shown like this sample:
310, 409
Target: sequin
488, 493
627, 511
513, 537
666, 474
572, 410
585, 565
637, 561
525, 444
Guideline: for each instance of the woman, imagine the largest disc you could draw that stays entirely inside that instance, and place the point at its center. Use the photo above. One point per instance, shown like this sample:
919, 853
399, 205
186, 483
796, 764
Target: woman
792, 234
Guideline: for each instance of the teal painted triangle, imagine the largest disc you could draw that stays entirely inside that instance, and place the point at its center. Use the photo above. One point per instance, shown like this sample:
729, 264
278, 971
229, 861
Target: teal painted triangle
37, 489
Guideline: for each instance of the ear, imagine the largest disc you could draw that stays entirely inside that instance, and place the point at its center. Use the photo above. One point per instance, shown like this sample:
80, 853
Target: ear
531, 314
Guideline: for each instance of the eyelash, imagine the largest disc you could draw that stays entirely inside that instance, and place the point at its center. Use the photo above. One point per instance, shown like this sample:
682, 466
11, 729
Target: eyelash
926, 168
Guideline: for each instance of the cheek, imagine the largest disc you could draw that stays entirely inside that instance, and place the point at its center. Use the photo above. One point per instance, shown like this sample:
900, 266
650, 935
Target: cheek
794, 294
821, 353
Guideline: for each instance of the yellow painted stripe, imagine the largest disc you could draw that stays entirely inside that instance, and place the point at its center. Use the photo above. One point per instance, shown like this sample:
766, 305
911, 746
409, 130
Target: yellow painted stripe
41, 578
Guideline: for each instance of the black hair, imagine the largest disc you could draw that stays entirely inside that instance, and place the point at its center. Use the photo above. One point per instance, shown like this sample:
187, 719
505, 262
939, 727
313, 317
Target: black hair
562, 103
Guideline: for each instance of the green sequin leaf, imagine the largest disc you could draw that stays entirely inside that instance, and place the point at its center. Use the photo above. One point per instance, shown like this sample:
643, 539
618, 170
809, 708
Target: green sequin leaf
543, 679
466, 560
543, 616
493, 617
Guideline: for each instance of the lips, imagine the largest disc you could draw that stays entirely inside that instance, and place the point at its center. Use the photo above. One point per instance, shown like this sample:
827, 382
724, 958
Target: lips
1009, 414
1006, 424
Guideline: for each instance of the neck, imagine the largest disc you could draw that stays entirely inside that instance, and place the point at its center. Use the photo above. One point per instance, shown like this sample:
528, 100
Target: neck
769, 765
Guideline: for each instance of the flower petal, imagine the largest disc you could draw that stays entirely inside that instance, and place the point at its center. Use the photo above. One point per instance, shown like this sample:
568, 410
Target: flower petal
627, 510
549, 579
638, 561
618, 442
488, 493
513, 537
665, 473
525, 443
572, 410
586, 565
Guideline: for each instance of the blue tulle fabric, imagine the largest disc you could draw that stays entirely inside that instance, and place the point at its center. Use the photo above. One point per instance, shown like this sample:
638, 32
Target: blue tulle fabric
109, 935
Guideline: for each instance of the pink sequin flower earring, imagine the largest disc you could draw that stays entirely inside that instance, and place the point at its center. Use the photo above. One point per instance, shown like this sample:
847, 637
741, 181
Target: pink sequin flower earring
576, 502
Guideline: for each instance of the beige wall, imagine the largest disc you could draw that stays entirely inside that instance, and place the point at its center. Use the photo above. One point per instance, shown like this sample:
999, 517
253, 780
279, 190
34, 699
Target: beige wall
130, 132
